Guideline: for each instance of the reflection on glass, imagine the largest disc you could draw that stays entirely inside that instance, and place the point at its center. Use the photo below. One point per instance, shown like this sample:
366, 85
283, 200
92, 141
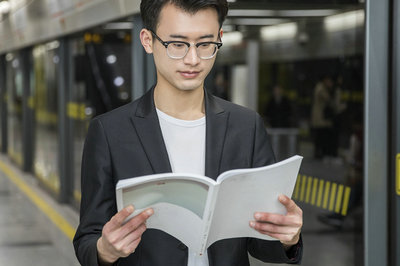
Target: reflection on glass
14, 107
310, 93
101, 81
44, 97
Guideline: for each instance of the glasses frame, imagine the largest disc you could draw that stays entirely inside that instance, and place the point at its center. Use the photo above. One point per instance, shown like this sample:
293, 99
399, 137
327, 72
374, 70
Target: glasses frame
166, 43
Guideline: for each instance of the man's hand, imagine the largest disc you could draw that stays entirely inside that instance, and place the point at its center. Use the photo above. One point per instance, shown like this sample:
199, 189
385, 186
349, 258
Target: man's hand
285, 228
119, 239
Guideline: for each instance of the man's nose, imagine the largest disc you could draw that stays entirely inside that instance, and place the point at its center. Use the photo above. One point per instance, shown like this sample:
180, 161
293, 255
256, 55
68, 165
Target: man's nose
191, 58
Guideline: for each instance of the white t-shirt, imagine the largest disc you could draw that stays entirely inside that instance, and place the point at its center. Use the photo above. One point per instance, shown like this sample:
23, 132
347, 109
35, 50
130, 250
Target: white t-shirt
185, 141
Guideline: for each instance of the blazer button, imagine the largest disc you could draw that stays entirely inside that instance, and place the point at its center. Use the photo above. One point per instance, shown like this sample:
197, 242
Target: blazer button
182, 246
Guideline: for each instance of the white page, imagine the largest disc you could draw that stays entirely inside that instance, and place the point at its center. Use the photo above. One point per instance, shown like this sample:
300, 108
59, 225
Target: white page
242, 194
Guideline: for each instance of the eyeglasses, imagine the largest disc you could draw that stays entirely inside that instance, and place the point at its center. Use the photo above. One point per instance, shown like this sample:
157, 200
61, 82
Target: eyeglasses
179, 49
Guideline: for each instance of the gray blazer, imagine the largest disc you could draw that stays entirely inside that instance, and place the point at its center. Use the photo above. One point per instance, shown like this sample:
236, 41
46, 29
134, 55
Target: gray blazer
128, 142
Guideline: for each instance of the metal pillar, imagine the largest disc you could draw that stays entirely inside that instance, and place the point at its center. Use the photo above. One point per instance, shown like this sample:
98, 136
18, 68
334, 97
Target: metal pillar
376, 134
3, 104
394, 206
27, 113
253, 52
65, 165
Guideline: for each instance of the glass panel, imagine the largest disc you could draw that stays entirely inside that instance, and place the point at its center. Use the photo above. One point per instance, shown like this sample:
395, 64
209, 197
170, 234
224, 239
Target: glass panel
45, 102
101, 81
310, 92
14, 99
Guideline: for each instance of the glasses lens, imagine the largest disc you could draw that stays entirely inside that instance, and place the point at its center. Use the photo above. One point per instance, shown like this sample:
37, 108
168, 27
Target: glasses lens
177, 49
206, 50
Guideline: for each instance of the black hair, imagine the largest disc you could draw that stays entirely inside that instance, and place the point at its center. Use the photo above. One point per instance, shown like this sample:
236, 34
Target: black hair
150, 9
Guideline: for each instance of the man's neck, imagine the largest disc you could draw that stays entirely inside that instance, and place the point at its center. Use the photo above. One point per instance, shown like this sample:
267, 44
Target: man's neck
185, 105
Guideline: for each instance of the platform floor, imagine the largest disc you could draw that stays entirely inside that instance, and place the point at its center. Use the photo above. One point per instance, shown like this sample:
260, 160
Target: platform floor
29, 237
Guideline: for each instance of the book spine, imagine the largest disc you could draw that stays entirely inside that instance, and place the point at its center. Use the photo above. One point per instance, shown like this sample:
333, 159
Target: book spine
210, 213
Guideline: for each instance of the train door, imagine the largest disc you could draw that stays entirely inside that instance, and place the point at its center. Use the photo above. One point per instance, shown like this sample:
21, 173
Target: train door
44, 101
100, 78
301, 66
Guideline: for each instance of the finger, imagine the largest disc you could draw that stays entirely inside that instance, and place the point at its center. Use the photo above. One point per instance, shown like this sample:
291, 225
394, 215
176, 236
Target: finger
273, 228
270, 218
125, 247
289, 204
118, 219
132, 247
278, 219
284, 238
136, 221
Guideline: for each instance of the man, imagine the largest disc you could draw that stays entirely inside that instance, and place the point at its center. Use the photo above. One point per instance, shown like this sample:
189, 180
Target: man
176, 126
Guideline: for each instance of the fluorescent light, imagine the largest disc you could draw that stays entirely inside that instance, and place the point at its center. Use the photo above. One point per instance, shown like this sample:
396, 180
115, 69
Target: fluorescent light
232, 38
255, 21
5, 7
280, 13
279, 32
118, 26
344, 21
52, 45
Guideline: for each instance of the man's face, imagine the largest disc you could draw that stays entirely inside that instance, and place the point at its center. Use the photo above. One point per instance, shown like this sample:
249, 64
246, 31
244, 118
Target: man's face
188, 73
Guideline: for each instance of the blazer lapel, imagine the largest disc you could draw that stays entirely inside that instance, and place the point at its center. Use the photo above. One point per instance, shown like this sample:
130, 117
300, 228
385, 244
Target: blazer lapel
216, 124
148, 129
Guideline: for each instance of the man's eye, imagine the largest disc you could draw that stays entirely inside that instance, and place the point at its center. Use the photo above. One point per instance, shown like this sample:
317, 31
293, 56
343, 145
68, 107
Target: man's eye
205, 45
178, 45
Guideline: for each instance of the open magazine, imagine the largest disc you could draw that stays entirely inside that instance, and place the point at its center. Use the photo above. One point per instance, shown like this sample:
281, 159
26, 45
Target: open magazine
199, 211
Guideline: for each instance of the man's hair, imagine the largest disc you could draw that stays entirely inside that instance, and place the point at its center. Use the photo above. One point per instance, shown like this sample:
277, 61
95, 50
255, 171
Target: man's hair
150, 9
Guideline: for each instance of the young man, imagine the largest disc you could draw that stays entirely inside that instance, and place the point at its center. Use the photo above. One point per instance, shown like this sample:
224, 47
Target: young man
176, 126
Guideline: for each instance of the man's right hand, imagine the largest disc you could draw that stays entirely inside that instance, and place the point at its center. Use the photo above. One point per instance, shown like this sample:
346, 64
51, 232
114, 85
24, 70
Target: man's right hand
119, 240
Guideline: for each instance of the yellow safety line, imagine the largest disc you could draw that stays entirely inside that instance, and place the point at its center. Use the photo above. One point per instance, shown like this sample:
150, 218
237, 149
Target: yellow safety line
320, 190
346, 200
314, 191
339, 199
52, 214
326, 194
333, 194
398, 174
309, 183
303, 187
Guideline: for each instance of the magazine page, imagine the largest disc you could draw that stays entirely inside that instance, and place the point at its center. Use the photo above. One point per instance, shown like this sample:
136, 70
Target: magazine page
179, 202
246, 191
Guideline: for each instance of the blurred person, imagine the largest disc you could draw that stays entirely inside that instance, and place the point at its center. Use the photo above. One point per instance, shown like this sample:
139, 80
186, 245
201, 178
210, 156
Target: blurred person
278, 111
338, 109
144, 137
322, 114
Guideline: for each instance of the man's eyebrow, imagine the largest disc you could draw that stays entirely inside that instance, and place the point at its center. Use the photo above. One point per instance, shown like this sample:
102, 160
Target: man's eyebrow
177, 36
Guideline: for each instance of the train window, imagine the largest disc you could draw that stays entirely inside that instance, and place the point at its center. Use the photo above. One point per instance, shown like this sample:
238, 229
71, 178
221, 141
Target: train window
44, 99
101, 81
14, 106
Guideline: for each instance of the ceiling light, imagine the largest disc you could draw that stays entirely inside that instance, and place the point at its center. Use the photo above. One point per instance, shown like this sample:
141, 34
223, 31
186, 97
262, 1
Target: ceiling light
344, 21
279, 32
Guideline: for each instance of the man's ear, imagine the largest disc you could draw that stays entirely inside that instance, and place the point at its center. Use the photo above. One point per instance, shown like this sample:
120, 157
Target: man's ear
221, 32
146, 38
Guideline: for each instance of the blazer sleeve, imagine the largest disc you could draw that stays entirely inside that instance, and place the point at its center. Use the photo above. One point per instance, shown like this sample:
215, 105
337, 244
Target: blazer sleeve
264, 250
98, 194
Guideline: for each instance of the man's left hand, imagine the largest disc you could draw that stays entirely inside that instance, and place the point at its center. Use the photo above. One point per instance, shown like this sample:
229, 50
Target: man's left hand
285, 228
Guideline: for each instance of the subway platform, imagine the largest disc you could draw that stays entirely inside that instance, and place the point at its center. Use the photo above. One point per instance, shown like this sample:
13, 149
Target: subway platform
36, 230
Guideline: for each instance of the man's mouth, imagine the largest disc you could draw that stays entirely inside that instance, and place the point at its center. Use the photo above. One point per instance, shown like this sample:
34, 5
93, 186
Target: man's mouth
189, 74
